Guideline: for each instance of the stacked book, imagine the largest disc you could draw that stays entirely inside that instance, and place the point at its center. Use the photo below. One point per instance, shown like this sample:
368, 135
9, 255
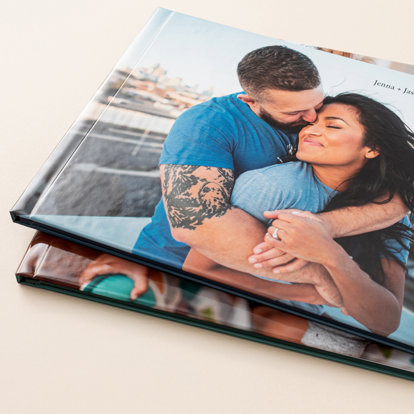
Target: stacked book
242, 184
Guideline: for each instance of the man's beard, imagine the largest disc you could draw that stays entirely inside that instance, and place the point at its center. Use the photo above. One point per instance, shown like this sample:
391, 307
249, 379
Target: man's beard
290, 128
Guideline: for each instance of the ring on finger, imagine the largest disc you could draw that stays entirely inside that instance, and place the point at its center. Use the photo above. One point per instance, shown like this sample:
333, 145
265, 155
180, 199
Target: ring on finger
275, 235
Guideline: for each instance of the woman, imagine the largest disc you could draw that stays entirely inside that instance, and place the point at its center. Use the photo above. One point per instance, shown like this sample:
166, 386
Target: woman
356, 152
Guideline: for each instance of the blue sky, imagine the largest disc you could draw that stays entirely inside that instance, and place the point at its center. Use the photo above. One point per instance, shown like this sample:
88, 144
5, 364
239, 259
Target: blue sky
211, 51
206, 54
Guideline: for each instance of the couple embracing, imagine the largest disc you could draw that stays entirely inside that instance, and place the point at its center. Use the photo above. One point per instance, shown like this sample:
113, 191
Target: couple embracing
288, 194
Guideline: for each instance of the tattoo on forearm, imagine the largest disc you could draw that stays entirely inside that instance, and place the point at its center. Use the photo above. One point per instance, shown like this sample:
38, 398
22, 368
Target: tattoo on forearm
193, 193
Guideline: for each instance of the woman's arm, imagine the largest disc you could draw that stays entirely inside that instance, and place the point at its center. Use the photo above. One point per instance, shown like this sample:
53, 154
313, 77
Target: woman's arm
375, 306
203, 266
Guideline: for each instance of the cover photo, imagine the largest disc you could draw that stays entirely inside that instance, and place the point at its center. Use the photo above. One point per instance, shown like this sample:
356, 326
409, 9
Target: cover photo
55, 264
286, 173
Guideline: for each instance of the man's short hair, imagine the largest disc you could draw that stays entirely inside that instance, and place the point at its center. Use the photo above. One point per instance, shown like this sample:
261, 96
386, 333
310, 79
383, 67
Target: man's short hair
276, 67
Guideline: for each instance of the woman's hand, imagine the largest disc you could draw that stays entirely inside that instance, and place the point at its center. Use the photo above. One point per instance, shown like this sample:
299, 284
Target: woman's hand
108, 264
267, 256
302, 235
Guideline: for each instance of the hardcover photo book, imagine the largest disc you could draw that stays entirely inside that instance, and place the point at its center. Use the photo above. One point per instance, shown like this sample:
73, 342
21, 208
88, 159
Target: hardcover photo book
58, 265
277, 172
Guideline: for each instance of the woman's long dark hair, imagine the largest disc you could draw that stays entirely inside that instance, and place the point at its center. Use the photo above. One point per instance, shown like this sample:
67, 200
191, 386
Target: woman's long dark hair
382, 177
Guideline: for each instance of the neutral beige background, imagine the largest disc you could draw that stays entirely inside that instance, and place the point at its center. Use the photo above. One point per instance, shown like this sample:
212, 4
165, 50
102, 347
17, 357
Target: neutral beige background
60, 354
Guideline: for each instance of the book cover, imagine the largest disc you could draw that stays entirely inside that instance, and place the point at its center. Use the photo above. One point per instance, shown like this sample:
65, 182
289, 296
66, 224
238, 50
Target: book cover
58, 265
235, 151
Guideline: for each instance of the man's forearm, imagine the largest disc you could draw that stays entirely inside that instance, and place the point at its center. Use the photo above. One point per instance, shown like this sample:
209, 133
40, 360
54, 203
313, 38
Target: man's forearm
201, 265
227, 240
348, 221
197, 201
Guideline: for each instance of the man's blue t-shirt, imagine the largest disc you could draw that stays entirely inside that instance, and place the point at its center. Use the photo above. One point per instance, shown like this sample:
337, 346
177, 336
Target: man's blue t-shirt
222, 132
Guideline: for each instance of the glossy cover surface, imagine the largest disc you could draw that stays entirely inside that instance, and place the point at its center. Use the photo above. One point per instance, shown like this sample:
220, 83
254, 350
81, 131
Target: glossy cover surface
102, 183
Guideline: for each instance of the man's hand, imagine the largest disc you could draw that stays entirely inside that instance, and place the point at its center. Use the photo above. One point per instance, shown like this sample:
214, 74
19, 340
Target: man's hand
108, 264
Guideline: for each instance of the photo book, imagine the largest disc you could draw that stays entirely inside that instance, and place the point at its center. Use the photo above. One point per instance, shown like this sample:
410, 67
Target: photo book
273, 171
58, 265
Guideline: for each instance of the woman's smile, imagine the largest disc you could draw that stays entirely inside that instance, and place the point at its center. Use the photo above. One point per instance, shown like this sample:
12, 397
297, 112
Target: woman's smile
311, 141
